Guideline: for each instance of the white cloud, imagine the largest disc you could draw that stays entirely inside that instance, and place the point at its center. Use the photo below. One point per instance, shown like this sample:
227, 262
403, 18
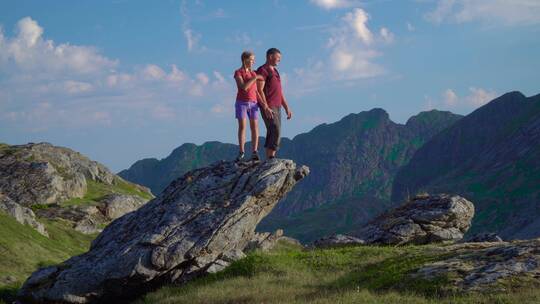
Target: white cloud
450, 98
491, 12
29, 31
192, 38
118, 79
219, 77
75, 87
386, 35
176, 75
410, 27
352, 50
331, 4
29, 51
475, 98
153, 72
203, 78
358, 20
478, 97
47, 85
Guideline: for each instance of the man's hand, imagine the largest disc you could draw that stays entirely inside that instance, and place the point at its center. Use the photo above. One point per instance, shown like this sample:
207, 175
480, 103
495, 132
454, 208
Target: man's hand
289, 114
268, 112
259, 77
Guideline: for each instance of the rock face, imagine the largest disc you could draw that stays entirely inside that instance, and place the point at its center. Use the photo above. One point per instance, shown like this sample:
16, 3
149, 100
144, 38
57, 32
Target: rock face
198, 221
115, 205
424, 219
484, 266
484, 237
44, 174
22, 214
337, 240
265, 241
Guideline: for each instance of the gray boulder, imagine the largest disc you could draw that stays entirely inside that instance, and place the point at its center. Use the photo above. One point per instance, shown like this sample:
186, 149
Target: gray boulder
485, 266
198, 221
21, 214
424, 219
115, 205
336, 240
264, 240
484, 237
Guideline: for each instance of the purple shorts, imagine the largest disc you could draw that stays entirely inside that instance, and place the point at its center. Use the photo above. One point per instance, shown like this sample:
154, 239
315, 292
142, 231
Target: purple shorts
247, 109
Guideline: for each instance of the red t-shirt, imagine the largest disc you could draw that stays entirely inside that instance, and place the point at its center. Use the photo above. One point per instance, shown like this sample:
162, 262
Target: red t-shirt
251, 93
272, 85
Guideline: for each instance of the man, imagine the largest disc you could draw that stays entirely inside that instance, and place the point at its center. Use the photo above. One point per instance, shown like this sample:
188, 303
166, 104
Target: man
271, 101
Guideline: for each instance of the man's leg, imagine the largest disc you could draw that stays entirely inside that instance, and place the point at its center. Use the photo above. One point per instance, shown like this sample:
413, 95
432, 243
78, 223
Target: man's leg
273, 127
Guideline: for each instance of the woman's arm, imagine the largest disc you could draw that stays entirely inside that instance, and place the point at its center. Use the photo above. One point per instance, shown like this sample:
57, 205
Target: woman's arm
244, 85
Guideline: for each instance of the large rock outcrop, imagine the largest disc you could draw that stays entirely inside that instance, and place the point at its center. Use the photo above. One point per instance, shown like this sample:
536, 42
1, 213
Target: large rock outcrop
200, 220
21, 214
424, 219
45, 174
41, 173
485, 266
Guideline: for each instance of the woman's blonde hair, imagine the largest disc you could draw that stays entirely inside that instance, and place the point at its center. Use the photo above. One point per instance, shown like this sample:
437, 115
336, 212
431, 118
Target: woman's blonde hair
246, 55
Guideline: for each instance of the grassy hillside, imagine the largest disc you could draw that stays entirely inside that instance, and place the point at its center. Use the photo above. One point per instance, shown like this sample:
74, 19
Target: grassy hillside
361, 274
23, 250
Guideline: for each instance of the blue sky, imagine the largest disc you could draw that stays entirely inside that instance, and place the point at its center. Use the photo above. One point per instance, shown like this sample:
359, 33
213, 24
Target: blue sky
124, 80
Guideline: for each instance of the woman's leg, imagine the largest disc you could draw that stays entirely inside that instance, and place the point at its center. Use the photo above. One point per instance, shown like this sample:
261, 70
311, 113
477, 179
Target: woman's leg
241, 133
254, 126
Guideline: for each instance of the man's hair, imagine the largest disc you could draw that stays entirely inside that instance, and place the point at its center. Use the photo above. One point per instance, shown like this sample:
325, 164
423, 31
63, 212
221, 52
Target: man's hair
272, 51
246, 55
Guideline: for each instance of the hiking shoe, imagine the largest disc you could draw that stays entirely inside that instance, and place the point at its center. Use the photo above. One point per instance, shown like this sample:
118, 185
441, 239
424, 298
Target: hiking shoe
240, 157
255, 156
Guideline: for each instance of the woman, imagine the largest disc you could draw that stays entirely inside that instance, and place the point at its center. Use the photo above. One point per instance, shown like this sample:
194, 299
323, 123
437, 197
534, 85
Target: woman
246, 104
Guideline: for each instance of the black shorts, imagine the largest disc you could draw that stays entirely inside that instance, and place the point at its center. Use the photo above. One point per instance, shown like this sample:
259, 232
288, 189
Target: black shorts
273, 129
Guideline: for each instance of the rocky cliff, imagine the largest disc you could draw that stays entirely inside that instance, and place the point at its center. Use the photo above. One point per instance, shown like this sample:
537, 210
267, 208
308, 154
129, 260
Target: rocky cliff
198, 223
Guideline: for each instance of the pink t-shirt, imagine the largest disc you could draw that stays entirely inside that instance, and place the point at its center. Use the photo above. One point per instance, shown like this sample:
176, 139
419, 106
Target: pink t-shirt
251, 93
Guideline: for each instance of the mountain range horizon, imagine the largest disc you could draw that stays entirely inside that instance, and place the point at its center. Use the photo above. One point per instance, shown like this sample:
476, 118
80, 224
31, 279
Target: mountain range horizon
356, 160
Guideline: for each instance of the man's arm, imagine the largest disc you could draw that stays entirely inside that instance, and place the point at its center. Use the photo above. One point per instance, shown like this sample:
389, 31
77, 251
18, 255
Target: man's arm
262, 99
286, 106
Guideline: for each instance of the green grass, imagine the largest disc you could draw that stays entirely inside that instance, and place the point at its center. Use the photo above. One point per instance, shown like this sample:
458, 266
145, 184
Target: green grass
96, 190
360, 274
23, 250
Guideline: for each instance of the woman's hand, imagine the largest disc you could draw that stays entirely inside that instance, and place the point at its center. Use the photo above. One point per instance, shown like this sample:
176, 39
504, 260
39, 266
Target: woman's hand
259, 78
